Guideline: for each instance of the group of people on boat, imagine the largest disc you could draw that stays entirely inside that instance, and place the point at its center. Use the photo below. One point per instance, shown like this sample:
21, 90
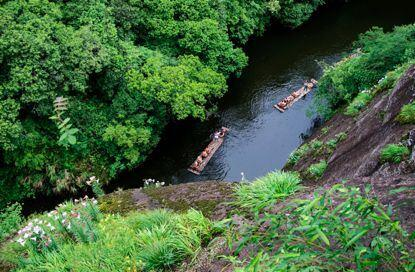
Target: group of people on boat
306, 87
220, 133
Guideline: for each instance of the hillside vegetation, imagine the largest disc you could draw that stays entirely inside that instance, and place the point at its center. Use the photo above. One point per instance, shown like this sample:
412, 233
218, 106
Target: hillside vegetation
88, 86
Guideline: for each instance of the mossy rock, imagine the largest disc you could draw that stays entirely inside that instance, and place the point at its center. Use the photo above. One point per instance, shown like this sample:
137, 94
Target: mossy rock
209, 197
121, 202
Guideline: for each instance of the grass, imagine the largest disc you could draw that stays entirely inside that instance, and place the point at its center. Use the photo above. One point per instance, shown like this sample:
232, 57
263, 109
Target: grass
394, 153
317, 170
267, 190
407, 114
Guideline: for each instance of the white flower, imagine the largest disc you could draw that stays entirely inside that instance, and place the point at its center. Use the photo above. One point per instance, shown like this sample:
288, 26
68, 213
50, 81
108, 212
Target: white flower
21, 241
33, 238
64, 214
37, 229
50, 226
26, 235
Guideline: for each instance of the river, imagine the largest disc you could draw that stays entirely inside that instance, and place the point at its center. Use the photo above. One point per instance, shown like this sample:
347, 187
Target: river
261, 138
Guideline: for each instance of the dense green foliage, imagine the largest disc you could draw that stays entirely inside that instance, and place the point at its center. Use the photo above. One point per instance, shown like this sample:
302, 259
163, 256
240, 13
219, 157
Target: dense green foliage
118, 71
394, 153
79, 238
336, 230
377, 53
407, 114
10, 220
267, 190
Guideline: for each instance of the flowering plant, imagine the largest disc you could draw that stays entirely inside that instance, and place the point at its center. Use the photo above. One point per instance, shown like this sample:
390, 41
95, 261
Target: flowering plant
96, 186
69, 221
149, 183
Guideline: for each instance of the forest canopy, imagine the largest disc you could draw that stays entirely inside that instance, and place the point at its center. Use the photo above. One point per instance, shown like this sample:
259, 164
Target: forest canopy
88, 86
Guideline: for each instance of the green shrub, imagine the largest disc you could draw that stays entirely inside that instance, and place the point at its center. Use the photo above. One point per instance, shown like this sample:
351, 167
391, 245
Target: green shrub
297, 154
335, 230
407, 114
358, 103
317, 170
315, 145
332, 144
10, 220
394, 153
267, 190
325, 130
341, 136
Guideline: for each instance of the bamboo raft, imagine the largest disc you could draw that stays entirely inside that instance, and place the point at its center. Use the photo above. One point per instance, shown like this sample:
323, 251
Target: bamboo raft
211, 148
297, 95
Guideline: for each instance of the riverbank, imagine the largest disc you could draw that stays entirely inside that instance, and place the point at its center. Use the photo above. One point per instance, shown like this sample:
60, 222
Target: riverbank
284, 219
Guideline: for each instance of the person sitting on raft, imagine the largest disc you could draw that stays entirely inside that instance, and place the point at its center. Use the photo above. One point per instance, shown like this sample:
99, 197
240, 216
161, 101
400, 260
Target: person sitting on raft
222, 133
215, 135
282, 104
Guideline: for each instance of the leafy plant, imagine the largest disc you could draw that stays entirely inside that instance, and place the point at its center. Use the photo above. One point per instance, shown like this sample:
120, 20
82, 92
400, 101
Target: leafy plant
380, 54
315, 145
317, 170
334, 230
298, 154
407, 114
358, 103
149, 241
10, 220
67, 133
267, 190
96, 186
394, 153
341, 136
325, 130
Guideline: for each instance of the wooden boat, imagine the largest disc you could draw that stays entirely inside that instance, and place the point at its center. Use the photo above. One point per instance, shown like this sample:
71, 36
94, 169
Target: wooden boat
295, 96
197, 168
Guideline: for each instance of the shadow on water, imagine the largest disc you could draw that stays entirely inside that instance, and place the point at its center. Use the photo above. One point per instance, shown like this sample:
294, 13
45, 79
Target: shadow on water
261, 138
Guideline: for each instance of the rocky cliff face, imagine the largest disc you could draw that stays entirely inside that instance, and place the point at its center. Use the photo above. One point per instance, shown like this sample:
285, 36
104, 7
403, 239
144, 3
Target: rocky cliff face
356, 159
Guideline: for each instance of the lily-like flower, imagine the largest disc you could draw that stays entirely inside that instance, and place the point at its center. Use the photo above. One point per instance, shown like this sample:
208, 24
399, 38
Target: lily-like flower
21, 241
